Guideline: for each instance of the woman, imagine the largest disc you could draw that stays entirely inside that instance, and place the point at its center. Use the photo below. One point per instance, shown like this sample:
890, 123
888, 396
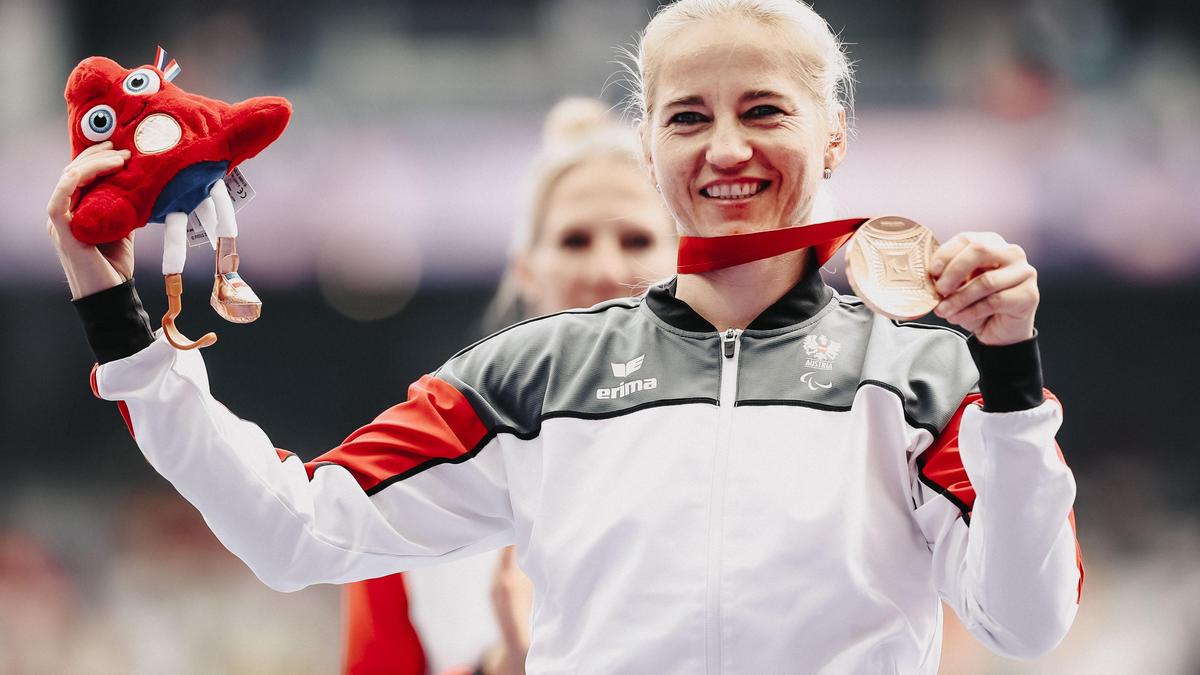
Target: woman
594, 229
681, 498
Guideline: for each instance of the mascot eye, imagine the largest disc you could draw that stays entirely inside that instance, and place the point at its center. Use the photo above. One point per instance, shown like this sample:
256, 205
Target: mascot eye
98, 123
142, 81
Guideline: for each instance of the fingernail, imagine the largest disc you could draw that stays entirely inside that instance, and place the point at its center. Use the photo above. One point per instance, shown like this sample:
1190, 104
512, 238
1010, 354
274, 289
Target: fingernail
935, 268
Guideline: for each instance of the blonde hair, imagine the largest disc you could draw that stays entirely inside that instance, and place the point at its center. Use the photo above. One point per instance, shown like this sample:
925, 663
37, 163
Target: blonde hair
819, 55
576, 130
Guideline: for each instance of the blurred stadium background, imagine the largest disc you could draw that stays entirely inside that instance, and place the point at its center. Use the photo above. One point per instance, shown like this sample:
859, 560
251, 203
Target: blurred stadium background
382, 223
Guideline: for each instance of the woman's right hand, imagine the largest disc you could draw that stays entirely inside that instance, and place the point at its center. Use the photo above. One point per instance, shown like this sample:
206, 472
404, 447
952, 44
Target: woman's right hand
89, 269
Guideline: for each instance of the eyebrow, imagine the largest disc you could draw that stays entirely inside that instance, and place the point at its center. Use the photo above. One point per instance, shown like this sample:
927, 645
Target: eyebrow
752, 95
686, 100
759, 93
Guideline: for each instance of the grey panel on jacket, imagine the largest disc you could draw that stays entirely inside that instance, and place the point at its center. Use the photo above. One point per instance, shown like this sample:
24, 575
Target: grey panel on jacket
618, 357
823, 362
604, 361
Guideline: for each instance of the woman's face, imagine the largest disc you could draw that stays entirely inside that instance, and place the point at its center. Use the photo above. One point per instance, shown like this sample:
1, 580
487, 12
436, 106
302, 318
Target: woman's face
604, 232
734, 140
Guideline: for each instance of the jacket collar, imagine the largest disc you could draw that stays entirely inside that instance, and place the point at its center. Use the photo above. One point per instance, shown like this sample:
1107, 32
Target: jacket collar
799, 304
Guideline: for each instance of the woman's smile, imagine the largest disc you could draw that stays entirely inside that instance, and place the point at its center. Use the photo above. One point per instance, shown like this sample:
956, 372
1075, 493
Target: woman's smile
734, 191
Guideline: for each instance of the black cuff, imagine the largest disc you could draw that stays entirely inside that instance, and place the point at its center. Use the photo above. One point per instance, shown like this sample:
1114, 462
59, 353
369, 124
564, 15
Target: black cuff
115, 322
1010, 377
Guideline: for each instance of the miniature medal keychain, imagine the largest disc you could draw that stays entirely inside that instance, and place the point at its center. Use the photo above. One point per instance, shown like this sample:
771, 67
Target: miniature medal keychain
183, 148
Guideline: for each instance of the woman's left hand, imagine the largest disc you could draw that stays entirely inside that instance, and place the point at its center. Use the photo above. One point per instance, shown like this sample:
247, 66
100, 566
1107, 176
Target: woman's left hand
987, 287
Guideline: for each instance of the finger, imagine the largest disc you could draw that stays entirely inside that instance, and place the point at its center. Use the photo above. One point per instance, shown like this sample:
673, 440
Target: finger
1017, 301
100, 164
60, 199
93, 149
119, 254
985, 284
79, 174
975, 257
946, 252
508, 558
973, 327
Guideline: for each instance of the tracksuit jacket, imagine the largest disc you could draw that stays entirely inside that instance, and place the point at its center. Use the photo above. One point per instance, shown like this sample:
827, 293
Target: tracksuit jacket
795, 497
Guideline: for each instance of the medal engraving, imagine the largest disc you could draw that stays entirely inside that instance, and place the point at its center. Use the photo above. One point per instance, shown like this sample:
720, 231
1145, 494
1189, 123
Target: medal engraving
887, 265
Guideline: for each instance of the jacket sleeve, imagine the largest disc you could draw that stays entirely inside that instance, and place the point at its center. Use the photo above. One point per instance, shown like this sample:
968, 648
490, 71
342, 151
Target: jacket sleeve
994, 499
424, 481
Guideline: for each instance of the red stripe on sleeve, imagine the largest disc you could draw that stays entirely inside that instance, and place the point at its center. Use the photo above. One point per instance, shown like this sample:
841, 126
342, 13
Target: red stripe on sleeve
435, 423
124, 410
1070, 516
941, 468
121, 407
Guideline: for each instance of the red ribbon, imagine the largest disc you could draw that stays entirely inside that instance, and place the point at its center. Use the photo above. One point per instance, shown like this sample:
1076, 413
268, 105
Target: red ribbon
705, 254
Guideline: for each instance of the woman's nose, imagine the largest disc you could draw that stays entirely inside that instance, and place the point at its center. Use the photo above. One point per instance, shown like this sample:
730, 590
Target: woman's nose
610, 269
728, 146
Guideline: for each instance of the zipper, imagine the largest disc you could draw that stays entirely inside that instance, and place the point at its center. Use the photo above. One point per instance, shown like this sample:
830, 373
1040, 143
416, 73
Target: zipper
730, 354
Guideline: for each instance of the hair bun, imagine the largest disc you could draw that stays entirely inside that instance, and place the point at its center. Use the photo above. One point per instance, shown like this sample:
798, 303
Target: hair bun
572, 119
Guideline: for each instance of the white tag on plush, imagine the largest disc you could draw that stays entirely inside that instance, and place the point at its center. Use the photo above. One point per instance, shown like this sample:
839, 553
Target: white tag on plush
203, 230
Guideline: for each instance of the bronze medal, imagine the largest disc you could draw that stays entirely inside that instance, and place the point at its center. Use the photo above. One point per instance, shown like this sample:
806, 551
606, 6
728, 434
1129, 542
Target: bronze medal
887, 264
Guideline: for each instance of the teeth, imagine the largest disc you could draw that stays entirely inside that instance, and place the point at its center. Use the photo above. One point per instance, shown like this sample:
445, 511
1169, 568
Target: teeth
733, 190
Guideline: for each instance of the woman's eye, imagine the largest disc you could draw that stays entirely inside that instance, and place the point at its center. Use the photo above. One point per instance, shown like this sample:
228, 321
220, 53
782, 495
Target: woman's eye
686, 118
636, 242
760, 111
98, 123
142, 82
576, 240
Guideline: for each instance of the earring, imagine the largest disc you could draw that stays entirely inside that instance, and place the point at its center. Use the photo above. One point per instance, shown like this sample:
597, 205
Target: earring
658, 188
828, 173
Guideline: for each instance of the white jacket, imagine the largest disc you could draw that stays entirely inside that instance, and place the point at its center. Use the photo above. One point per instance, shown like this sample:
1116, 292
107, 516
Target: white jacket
793, 498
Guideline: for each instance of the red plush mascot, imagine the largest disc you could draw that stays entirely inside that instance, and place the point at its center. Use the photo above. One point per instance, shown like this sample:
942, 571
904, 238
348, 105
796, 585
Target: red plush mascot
181, 147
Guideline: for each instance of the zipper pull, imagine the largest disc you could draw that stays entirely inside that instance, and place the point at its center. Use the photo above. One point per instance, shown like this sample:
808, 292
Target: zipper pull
729, 341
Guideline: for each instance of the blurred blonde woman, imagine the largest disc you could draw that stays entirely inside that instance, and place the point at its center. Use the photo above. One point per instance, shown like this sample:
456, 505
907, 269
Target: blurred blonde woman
593, 229
739, 471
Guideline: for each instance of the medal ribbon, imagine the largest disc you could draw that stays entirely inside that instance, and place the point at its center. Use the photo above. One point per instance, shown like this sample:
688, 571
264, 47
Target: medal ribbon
705, 254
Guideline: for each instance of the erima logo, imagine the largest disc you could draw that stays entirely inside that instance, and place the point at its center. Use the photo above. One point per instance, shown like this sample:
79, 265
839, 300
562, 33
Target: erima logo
626, 388
627, 369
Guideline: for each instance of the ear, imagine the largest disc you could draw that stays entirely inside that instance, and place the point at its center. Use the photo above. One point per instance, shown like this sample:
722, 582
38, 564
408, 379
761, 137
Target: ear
527, 286
835, 150
643, 130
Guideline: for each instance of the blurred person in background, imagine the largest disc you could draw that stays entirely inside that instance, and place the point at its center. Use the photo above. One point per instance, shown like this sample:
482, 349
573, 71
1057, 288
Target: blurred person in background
724, 518
594, 229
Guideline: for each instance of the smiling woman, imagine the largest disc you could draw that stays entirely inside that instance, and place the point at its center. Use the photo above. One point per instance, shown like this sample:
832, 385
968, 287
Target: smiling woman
737, 155
788, 102
800, 486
